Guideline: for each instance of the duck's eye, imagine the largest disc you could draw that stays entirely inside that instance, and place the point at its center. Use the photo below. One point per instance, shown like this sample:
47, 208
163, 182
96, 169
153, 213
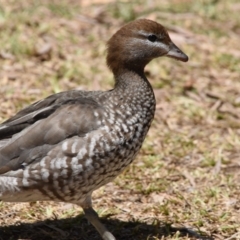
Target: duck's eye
152, 38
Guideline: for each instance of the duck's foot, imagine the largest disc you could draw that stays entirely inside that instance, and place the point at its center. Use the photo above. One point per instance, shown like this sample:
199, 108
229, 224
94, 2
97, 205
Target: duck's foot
93, 218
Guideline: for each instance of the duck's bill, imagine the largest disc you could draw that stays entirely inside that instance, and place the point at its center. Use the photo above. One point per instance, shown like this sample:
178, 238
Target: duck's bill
176, 53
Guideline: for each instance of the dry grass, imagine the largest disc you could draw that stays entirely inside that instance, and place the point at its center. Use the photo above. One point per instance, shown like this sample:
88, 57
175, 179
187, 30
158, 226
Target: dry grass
185, 182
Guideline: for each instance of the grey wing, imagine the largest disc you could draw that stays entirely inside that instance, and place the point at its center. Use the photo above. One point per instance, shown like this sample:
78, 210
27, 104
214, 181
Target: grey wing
46, 127
39, 110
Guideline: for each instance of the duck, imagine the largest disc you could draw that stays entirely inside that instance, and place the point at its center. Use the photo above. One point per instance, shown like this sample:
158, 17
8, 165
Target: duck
71, 143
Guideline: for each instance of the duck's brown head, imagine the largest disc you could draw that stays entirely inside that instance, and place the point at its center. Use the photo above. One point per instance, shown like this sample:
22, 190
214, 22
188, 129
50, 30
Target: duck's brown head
137, 43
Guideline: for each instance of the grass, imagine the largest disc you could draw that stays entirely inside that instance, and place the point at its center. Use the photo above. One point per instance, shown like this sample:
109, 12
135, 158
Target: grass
184, 184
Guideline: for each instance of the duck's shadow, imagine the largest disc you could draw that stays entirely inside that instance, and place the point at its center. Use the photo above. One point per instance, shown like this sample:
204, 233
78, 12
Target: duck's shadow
77, 228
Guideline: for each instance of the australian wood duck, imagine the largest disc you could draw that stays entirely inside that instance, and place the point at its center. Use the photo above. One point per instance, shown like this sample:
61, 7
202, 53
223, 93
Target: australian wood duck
64, 147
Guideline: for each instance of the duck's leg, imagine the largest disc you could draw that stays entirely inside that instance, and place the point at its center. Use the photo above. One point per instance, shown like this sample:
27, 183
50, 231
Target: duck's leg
93, 218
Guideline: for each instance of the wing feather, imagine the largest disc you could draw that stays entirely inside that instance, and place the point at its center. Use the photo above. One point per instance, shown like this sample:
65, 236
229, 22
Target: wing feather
43, 127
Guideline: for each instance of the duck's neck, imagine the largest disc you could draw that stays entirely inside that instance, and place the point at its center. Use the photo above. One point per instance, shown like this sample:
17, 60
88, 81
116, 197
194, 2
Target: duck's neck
135, 93
131, 78
133, 88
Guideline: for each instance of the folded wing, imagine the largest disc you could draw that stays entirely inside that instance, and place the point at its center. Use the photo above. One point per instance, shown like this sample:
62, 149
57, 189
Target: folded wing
33, 132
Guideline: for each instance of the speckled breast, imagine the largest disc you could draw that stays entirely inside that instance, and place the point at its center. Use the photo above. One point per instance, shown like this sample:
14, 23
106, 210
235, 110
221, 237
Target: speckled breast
105, 155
